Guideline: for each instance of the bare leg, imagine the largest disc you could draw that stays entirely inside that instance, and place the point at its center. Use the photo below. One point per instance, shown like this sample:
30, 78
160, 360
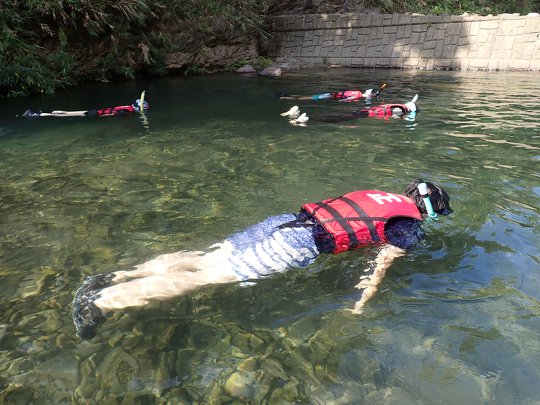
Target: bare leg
61, 113
164, 277
139, 292
163, 264
295, 97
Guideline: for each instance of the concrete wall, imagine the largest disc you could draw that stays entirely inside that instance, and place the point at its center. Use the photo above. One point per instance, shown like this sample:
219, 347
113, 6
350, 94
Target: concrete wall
504, 42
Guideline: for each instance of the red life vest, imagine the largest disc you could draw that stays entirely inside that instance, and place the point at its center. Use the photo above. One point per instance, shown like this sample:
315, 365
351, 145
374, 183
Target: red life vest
385, 110
352, 94
358, 218
116, 110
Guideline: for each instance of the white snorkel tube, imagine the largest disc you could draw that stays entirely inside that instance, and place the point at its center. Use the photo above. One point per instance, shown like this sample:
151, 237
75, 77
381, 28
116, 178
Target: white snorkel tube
144, 118
422, 188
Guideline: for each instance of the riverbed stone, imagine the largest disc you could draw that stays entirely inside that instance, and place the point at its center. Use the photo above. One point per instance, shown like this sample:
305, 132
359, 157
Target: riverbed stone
249, 364
391, 396
240, 384
271, 71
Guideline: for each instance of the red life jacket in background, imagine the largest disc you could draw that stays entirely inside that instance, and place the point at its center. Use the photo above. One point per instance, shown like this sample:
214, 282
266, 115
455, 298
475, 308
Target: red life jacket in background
352, 94
358, 218
385, 110
116, 110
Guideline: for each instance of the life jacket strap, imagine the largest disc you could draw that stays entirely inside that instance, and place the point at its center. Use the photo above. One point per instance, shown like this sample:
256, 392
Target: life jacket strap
369, 222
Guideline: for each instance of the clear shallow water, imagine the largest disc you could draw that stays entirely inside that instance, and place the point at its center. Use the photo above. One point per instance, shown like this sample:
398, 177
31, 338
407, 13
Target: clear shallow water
456, 321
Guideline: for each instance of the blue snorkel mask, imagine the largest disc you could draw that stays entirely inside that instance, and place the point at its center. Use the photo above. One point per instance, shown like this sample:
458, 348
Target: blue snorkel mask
423, 190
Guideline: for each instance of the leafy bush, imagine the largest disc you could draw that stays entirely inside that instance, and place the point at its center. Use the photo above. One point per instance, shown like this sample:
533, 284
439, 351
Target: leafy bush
452, 7
482, 7
34, 47
108, 39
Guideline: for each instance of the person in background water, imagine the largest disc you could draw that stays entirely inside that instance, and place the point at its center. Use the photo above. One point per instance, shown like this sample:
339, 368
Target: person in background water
103, 112
281, 242
345, 95
384, 111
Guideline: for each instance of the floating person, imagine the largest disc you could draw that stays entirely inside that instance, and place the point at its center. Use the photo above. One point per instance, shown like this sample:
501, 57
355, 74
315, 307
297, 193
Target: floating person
281, 242
392, 110
345, 95
384, 111
103, 112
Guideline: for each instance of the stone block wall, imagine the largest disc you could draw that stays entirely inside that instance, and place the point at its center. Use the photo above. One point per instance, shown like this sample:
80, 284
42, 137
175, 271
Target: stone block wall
504, 42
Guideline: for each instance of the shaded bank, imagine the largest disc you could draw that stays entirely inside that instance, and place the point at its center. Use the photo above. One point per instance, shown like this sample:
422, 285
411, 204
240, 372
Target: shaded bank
48, 45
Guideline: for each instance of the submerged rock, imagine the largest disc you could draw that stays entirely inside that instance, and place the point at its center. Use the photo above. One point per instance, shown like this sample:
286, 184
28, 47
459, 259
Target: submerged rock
240, 384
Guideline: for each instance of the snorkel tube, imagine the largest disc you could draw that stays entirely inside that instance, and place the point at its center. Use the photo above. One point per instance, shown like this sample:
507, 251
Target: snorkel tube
381, 89
144, 118
141, 102
423, 190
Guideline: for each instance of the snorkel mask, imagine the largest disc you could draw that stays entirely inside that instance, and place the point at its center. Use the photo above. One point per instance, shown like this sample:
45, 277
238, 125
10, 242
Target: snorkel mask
137, 105
411, 105
423, 190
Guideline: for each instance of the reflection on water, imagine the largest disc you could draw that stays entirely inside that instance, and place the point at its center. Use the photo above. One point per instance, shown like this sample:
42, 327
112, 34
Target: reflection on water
456, 320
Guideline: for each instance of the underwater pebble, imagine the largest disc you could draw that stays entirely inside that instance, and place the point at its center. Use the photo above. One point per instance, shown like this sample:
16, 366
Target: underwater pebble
391, 396
322, 345
32, 285
239, 384
183, 361
88, 385
256, 342
274, 368
63, 368
249, 364
87, 348
301, 330
287, 394
19, 366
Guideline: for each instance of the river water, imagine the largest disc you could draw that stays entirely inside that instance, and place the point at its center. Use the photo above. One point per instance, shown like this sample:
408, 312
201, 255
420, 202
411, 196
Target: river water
455, 321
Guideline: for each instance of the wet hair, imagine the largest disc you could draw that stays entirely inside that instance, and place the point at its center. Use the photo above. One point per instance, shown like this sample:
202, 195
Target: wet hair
438, 197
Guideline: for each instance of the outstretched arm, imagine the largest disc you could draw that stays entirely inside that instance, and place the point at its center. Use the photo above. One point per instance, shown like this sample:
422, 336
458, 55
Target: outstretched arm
369, 284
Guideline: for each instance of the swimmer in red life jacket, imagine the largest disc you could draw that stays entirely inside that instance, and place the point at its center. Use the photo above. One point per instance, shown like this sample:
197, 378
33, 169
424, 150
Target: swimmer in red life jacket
384, 111
282, 242
345, 95
103, 112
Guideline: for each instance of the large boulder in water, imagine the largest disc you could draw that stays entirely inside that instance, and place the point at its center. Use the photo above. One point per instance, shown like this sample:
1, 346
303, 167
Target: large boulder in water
271, 71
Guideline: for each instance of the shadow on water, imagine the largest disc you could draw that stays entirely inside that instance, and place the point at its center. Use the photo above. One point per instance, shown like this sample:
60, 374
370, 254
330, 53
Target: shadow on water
455, 320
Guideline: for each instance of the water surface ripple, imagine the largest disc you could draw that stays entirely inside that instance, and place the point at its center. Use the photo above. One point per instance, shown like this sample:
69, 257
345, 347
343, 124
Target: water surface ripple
456, 321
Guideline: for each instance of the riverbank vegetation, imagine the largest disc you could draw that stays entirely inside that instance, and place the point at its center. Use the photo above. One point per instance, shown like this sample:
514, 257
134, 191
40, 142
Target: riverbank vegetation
50, 44
451, 7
